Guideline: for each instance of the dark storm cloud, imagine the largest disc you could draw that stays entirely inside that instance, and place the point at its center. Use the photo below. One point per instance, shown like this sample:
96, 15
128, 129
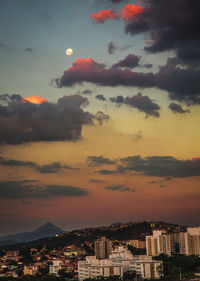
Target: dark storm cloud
100, 97
142, 103
119, 187
87, 70
99, 160
22, 122
178, 24
163, 166
22, 189
183, 84
130, 61
177, 108
111, 48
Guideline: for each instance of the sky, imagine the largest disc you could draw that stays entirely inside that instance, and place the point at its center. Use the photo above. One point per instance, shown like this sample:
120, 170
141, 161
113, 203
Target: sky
109, 133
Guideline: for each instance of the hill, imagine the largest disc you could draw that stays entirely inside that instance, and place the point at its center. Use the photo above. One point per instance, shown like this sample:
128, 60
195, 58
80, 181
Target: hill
46, 230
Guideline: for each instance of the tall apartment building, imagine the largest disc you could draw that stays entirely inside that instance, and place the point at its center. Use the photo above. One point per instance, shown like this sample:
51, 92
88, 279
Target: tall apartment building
159, 243
102, 248
189, 242
120, 261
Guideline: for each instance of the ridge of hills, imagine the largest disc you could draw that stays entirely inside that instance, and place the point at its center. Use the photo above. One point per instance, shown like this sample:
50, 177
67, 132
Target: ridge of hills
58, 238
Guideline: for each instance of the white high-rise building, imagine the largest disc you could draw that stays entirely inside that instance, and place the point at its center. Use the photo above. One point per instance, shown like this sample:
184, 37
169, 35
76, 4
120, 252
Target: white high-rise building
189, 242
120, 261
160, 243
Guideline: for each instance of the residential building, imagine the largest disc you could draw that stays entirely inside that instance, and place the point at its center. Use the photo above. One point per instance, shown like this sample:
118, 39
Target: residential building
30, 270
120, 261
189, 242
160, 243
103, 248
138, 244
55, 267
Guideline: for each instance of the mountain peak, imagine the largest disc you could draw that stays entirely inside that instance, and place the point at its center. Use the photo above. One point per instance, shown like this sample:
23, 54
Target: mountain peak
48, 227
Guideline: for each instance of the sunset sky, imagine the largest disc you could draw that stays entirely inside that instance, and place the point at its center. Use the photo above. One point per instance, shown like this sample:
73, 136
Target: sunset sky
111, 132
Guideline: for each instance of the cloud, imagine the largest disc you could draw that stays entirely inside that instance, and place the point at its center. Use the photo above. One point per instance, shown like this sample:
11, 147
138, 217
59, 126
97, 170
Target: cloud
96, 181
104, 15
6, 214
163, 166
23, 122
183, 84
119, 187
43, 169
130, 61
138, 136
85, 92
142, 103
35, 99
148, 65
101, 117
51, 168
107, 172
100, 97
2, 46
99, 160
22, 189
30, 50
116, 1
177, 108
128, 12
87, 70
178, 28
111, 48
119, 170
15, 163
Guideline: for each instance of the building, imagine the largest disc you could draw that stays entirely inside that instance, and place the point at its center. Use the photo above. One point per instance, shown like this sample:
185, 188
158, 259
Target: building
102, 248
120, 261
93, 267
138, 244
160, 243
189, 242
30, 270
55, 267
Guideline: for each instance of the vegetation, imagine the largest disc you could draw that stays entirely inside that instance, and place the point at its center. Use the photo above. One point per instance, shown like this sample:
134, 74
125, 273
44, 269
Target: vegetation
178, 266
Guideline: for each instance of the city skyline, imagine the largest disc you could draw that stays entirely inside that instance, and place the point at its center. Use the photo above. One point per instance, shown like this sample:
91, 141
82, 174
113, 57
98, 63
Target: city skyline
113, 131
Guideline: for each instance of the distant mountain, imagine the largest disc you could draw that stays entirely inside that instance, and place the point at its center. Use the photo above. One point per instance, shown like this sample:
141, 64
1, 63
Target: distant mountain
46, 230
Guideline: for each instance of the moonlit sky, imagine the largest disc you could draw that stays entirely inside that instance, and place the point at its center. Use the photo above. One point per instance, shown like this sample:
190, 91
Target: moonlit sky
118, 138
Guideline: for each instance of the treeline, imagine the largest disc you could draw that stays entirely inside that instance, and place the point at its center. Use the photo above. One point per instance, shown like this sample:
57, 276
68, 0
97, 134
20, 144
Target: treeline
179, 266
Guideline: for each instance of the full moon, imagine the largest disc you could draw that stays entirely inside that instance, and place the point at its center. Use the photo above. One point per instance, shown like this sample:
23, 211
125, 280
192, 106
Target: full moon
69, 52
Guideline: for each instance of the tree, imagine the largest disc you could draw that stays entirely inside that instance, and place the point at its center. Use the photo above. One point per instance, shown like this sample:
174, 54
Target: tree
129, 275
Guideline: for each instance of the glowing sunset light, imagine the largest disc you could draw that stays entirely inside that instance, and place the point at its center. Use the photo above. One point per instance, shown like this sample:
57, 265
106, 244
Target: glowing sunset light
130, 10
35, 99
